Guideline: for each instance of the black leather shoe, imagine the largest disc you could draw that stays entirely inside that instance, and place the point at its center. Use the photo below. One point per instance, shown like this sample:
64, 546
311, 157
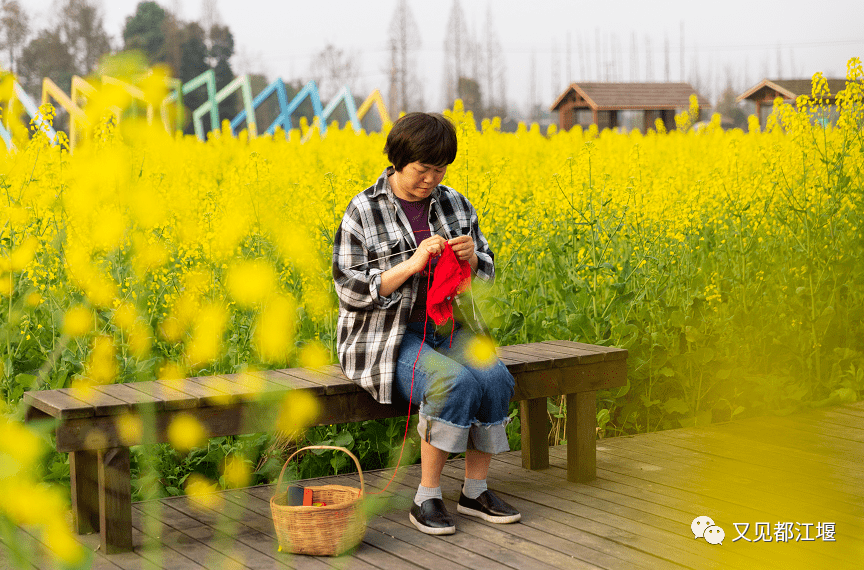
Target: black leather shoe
432, 517
488, 506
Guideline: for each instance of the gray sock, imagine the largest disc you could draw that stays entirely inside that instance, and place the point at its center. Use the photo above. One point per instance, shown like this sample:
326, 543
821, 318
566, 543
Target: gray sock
426, 493
473, 488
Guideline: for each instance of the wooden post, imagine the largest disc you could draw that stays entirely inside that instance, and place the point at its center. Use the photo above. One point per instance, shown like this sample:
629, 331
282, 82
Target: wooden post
85, 499
535, 433
581, 430
115, 500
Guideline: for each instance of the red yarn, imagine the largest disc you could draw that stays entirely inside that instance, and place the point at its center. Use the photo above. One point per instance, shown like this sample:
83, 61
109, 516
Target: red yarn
452, 276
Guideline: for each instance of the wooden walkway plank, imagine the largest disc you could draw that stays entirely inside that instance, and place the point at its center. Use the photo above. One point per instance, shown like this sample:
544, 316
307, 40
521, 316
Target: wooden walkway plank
788, 464
749, 449
248, 543
525, 540
249, 533
631, 526
765, 463
548, 550
492, 552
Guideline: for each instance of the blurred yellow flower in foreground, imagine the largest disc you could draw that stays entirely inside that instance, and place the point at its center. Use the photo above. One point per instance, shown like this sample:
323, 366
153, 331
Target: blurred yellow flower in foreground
480, 352
20, 448
77, 321
129, 429
202, 491
251, 282
313, 355
237, 472
186, 432
274, 330
298, 411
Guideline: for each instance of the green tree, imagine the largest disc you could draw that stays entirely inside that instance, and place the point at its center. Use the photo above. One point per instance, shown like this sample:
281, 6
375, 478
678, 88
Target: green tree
193, 62
145, 31
46, 55
221, 50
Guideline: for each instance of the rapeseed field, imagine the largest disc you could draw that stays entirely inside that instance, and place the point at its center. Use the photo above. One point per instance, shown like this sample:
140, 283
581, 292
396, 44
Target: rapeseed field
728, 264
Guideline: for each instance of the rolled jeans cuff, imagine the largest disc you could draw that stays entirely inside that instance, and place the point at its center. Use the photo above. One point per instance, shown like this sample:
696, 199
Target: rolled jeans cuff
491, 438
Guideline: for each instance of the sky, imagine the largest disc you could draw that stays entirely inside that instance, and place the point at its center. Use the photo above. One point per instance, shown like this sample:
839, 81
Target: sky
738, 42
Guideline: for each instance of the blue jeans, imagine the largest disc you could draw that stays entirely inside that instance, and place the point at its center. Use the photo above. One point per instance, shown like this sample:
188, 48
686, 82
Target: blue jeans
462, 405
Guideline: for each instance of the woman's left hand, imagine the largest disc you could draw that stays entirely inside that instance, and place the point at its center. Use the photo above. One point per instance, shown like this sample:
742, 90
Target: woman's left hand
463, 247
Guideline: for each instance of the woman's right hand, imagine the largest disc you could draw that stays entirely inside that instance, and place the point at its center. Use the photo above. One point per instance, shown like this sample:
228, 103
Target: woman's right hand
426, 249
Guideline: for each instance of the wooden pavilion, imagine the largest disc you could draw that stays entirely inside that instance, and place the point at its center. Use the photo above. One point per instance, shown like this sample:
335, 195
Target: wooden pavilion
766, 91
624, 105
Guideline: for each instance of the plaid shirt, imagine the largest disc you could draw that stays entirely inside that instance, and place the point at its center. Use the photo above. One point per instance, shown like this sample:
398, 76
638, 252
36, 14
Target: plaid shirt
374, 236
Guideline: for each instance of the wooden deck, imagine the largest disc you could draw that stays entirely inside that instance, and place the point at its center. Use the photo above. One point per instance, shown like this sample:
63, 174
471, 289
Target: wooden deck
804, 469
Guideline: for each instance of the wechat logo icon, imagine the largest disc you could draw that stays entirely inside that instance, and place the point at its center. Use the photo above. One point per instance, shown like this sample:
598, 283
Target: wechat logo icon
704, 527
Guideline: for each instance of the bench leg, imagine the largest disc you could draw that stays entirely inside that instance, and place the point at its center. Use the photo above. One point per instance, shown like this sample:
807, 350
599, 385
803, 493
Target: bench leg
85, 499
115, 500
534, 417
581, 430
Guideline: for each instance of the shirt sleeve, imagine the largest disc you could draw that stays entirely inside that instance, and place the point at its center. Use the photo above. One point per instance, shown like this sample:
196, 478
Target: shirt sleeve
357, 284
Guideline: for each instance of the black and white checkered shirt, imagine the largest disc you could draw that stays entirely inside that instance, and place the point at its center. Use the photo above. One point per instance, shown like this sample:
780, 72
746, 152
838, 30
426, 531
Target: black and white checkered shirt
375, 235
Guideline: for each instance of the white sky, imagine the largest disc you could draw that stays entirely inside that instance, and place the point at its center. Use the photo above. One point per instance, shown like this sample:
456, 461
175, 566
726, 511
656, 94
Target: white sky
744, 40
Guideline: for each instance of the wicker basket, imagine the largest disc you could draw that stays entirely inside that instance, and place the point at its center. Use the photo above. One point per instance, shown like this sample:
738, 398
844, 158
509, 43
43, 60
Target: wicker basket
322, 531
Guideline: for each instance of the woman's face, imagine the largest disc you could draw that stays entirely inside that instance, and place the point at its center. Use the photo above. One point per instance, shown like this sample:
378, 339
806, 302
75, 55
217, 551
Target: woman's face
417, 180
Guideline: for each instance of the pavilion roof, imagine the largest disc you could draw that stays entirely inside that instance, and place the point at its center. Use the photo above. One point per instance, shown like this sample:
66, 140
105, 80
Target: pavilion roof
615, 96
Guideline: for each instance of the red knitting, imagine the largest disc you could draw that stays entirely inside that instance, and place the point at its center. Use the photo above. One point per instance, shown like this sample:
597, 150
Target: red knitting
452, 277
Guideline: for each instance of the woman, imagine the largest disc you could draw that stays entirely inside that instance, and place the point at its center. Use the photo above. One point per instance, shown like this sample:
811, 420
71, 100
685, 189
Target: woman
389, 237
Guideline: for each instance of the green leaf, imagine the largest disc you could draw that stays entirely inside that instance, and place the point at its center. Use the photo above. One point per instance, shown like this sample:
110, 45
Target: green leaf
676, 406
622, 391
344, 439
723, 374
676, 319
666, 371
602, 418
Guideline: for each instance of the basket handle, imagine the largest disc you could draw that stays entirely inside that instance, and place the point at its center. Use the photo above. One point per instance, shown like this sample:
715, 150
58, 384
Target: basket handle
333, 447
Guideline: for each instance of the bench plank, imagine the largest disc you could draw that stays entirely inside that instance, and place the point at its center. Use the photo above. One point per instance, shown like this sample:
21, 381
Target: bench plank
293, 378
58, 404
171, 399
331, 383
542, 358
608, 352
129, 395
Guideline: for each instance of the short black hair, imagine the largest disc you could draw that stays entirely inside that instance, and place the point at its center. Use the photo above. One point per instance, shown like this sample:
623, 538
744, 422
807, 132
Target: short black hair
429, 138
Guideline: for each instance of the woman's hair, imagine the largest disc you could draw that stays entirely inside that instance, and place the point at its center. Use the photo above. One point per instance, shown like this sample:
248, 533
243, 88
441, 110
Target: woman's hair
429, 138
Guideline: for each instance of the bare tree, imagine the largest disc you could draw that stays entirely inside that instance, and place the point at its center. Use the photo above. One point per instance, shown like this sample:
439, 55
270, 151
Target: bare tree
81, 28
405, 89
456, 51
496, 70
333, 69
15, 26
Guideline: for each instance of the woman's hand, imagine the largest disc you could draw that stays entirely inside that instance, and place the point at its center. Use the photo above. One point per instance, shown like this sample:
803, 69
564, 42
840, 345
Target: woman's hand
426, 249
463, 247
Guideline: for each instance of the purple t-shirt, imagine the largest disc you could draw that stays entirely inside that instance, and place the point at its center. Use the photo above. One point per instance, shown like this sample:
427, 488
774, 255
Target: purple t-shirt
418, 216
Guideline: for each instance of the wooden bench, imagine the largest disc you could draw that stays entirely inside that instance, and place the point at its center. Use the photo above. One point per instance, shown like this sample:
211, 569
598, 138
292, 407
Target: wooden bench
226, 405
